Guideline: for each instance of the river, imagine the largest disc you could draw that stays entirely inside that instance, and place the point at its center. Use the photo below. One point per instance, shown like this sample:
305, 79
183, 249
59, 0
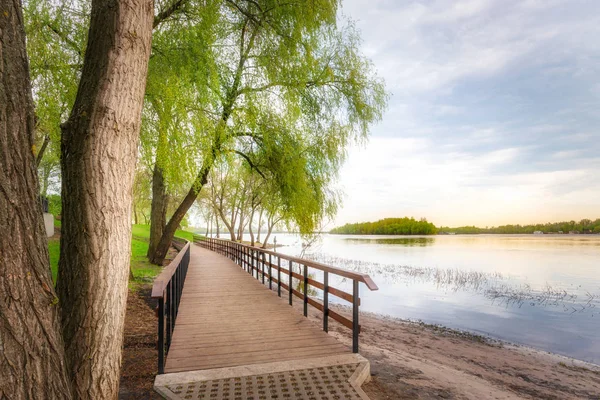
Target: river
541, 291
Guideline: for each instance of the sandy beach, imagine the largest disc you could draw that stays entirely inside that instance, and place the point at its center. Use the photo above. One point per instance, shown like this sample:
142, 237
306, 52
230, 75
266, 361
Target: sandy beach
416, 361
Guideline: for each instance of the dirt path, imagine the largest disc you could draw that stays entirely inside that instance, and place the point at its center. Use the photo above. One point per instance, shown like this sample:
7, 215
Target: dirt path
139, 353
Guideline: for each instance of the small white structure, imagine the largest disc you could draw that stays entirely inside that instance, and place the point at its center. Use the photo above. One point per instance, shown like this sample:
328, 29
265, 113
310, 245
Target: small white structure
49, 223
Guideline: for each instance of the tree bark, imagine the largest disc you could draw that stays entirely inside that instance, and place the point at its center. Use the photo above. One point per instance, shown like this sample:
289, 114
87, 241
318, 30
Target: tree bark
179, 214
40, 154
260, 221
32, 356
99, 150
250, 228
158, 213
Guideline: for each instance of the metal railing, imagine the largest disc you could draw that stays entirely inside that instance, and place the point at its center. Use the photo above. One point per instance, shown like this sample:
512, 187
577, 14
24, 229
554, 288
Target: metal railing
254, 259
167, 289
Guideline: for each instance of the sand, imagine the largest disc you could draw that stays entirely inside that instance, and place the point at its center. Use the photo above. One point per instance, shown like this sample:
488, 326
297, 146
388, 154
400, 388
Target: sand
417, 361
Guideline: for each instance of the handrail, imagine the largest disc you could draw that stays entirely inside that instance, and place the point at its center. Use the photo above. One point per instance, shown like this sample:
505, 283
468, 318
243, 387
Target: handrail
162, 280
167, 289
253, 259
364, 278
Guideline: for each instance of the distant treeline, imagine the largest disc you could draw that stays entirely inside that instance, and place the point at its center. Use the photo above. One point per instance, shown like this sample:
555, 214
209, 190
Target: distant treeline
411, 226
583, 226
389, 226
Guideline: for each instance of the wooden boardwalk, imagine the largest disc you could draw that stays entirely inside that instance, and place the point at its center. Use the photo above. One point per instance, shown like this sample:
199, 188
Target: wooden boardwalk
227, 318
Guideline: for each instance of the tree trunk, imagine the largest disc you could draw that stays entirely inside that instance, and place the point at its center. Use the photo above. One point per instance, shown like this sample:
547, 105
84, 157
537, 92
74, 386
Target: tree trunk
270, 225
158, 213
179, 214
40, 154
99, 147
250, 228
260, 217
207, 225
32, 356
135, 214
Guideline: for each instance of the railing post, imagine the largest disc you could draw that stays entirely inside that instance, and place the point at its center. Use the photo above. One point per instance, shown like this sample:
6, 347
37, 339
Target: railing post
161, 335
290, 283
262, 267
169, 315
355, 325
248, 266
305, 290
254, 262
326, 301
270, 274
279, 276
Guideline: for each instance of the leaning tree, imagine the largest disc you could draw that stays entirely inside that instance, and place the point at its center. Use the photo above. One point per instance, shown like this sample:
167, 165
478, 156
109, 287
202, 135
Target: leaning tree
282, 67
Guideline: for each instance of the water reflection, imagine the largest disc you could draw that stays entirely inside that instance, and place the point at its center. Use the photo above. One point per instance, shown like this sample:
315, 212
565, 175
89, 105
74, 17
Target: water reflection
538, 290
499, 288
403, 241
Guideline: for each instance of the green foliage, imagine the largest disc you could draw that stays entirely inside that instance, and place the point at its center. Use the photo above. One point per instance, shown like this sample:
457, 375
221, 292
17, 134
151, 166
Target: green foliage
388, 226
54, 204
583, 226
214, 94
56, 38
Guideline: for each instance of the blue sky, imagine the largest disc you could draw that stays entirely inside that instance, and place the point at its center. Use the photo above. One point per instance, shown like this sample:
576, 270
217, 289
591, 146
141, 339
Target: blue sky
494, 114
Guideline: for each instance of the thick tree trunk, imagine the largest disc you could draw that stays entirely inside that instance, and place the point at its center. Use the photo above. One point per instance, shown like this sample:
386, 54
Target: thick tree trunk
158, 213
99, 149
32, 356
179, 214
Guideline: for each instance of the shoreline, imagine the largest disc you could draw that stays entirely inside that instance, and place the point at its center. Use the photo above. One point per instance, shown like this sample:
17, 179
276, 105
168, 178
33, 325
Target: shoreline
415, 360
479, 336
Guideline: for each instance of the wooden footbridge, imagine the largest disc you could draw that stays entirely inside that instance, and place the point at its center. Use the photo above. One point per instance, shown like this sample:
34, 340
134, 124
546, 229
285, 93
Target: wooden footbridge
223, 306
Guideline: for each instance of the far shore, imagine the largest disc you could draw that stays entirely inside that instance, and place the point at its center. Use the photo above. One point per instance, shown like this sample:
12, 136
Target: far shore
411, 360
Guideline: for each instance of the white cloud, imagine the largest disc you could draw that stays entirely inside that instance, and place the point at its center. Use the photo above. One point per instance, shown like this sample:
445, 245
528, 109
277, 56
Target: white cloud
494, 116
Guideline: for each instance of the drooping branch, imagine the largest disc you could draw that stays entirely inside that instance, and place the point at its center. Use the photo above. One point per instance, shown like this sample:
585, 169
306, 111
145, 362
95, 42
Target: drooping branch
252, 165
65, 38
168, 12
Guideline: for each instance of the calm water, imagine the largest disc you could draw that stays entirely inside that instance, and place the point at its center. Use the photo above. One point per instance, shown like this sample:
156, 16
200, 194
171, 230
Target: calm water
541, 291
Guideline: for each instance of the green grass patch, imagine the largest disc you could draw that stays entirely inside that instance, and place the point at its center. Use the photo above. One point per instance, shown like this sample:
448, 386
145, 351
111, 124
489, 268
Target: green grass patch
143, 271
140, 231
54, 250
57, 223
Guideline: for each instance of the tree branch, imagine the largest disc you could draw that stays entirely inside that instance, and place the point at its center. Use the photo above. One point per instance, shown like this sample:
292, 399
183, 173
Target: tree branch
252, 165
40, 154
166, 13
65, 38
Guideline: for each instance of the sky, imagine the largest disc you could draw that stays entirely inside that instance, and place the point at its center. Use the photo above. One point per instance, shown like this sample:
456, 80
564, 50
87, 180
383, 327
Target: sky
493, 116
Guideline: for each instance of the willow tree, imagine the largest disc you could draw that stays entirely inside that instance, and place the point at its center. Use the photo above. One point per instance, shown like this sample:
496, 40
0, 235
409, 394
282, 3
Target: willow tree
178, 78
99, 150
32, 359
291, 63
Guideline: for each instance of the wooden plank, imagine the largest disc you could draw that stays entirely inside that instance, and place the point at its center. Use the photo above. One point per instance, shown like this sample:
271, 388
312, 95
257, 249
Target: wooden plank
229, 318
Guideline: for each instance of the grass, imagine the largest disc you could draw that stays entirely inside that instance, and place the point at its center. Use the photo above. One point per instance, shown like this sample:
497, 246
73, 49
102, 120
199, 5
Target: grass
143, 271
54, 250
143, 232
